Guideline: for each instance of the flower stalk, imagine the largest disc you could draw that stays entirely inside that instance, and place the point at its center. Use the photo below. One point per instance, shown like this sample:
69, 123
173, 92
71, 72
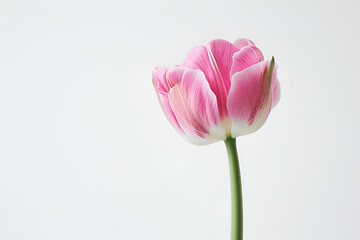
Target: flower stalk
236, 190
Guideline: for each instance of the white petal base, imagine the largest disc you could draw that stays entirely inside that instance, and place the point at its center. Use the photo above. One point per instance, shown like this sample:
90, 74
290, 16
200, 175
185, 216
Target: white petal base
240, 128
216, 133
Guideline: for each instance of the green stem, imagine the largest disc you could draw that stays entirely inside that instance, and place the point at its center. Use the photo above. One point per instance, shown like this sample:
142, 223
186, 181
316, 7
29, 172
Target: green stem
236, 192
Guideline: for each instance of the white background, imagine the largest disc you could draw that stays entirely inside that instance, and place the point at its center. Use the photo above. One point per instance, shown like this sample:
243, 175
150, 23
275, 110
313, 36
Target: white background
86, 152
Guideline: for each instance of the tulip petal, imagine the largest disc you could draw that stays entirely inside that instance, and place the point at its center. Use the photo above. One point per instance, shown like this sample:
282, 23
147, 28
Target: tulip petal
159, 79
242, 42
250, 97
195, 107
162, 90
245, 58
275, 90
215, 61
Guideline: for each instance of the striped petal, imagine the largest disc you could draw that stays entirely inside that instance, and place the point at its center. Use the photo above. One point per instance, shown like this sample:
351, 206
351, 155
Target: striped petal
215, 61
250, 97
195, 107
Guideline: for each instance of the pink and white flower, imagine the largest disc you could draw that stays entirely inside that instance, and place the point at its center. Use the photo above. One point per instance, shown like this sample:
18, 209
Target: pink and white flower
220, 90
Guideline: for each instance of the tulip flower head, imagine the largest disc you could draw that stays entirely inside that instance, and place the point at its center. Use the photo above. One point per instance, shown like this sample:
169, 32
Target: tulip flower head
221, 90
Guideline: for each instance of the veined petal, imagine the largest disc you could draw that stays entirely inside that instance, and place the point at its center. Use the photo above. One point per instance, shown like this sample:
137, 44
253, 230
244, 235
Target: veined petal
222, 53
195, 107
245, 58
242, 42
215, 61
250, 97
162, 90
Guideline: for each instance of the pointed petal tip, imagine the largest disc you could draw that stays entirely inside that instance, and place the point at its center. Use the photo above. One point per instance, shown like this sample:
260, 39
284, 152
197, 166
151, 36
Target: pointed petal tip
272, 61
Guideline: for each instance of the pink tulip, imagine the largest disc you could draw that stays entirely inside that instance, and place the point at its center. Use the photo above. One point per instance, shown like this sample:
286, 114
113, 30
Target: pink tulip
221, 90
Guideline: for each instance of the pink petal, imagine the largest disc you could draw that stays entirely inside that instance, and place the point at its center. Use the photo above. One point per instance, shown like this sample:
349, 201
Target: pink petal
249, 100
162, 80
275, 90
162, 90
245, 58
242, 42
215, 61
193, 103
159, 79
